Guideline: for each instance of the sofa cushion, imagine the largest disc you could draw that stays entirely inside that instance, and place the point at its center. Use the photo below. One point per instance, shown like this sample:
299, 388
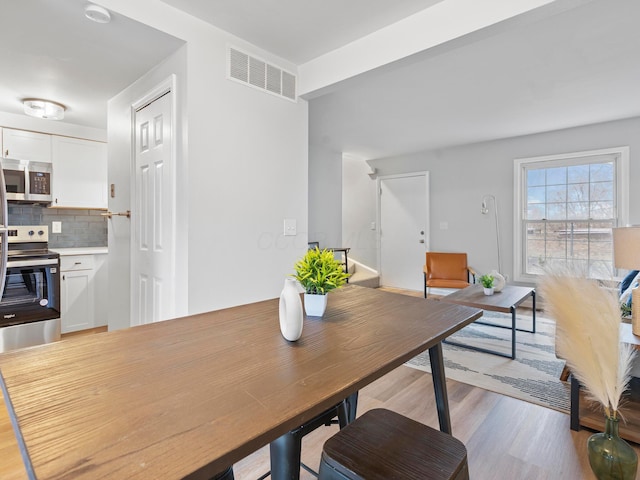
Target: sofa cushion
628, 283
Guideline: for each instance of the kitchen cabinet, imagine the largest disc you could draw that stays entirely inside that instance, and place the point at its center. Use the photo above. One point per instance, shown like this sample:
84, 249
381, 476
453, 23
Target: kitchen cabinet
25, 145
79, 173
83, 286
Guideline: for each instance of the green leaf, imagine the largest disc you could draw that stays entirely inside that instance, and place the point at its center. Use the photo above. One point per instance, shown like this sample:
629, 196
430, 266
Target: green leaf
319, 272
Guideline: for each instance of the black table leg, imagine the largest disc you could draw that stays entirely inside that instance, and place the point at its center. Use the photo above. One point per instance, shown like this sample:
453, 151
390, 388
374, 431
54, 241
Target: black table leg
440, 387
284, 452
533, 299
513, 333
575, 404
285, 457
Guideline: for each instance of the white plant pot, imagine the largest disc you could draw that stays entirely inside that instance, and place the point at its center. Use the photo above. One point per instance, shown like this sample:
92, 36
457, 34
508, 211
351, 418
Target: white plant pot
315, 305
291, 319
488, 291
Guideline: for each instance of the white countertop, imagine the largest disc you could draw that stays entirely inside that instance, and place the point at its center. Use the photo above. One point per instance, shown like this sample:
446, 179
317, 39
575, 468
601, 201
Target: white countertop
81, 251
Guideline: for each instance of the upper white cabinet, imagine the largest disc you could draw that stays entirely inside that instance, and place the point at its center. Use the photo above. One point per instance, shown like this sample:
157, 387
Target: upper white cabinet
24, 145
79, 173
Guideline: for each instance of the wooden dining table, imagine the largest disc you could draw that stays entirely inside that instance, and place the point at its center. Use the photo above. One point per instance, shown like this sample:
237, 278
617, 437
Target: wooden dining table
188, 397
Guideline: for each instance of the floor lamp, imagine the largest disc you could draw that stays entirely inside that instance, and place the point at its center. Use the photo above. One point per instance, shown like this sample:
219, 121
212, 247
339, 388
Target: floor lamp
485, 211
626, 254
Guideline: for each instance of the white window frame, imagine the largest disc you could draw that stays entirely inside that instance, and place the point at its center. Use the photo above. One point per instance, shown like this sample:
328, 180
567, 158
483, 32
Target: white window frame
519, 178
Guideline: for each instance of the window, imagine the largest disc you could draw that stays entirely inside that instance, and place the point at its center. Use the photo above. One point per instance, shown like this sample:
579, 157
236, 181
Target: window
566, 207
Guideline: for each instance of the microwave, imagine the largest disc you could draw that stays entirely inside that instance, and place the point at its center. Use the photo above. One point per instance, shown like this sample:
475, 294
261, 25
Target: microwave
27, 181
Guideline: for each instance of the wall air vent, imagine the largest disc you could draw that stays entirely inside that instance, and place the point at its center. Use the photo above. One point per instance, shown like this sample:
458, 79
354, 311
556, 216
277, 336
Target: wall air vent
259, 74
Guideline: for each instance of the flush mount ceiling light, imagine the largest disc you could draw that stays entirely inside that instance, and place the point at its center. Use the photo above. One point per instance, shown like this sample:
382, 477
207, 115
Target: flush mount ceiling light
97, 13
43, 109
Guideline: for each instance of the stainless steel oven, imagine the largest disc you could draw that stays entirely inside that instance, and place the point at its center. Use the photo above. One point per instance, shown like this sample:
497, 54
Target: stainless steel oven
30, 304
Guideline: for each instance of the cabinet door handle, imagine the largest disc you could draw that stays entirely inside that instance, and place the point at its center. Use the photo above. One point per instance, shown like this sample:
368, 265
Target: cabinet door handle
78, 263
64, 277
6, 153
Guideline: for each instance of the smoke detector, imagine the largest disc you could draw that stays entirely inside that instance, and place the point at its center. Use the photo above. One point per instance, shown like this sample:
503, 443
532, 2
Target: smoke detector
97, 13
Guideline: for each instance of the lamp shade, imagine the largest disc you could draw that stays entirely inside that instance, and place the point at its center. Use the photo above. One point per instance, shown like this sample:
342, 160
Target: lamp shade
626, 247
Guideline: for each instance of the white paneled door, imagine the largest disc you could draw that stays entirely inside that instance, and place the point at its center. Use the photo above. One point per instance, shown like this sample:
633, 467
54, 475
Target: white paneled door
153, 256
404, 227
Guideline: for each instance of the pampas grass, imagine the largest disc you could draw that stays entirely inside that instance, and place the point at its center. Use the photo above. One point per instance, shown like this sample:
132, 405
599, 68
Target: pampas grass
588, 336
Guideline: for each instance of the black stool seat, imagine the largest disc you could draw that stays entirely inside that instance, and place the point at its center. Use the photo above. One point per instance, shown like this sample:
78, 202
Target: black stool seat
383, 445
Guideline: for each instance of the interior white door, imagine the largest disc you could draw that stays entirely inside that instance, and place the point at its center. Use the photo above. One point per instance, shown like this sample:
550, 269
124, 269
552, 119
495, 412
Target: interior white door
153, 256
404, 227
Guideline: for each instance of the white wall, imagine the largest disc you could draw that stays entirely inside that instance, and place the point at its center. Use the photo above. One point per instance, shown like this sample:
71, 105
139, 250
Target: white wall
460, 176
358, 211
325, 197
245, 160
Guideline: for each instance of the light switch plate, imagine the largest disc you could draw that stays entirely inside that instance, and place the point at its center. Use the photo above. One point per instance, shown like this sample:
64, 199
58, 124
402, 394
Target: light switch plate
290, 227
56, 227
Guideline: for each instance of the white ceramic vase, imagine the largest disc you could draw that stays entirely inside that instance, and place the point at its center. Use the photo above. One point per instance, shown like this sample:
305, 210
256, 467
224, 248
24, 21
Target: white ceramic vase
488, 291
498, 281
315, 305
291, 319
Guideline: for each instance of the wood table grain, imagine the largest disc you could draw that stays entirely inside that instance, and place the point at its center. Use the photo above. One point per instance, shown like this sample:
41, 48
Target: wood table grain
187, 397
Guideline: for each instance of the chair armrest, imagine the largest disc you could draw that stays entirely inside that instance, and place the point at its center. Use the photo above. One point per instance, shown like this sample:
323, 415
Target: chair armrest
473, 274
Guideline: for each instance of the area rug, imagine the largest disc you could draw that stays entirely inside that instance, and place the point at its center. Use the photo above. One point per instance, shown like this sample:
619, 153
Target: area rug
534, 376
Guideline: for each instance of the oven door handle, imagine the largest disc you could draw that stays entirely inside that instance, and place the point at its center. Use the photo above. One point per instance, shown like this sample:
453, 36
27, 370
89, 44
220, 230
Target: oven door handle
4, 255
31, 263
4, 234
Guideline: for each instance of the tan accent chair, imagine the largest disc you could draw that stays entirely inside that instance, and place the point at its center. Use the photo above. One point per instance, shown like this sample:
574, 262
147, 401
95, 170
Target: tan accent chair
447, 270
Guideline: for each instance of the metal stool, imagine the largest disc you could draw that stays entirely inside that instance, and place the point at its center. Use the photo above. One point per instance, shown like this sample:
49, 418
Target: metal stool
383, 445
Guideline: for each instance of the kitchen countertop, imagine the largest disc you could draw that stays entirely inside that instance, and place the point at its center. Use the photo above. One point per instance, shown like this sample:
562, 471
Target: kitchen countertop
81, 251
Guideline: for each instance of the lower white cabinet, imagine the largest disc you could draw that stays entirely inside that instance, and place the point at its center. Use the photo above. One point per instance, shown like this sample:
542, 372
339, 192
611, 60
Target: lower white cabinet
82, 292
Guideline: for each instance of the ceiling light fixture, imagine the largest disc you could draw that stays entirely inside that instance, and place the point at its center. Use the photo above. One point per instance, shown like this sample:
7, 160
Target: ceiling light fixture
97, 13
35, 107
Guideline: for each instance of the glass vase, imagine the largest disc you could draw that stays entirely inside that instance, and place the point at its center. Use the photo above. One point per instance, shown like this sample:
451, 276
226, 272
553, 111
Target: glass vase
610, 457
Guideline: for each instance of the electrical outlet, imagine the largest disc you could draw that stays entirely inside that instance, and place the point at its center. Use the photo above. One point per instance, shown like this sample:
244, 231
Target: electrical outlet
56, 227
290, 226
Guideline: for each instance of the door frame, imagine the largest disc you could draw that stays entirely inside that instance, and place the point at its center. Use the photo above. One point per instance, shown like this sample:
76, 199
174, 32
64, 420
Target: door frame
427, 234
165, 87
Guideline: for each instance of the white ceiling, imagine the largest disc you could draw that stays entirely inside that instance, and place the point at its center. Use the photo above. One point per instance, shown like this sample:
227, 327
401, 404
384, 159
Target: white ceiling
575, 68
49, 50
301, 30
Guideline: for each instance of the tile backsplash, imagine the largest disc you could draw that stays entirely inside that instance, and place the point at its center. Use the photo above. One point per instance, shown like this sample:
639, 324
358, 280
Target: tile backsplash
80, 228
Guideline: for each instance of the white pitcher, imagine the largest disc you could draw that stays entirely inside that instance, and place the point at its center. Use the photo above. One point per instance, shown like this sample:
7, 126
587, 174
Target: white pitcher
291, 318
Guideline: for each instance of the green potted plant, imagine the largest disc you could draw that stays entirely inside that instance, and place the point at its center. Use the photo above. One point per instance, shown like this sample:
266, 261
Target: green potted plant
487, 282
318, 272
